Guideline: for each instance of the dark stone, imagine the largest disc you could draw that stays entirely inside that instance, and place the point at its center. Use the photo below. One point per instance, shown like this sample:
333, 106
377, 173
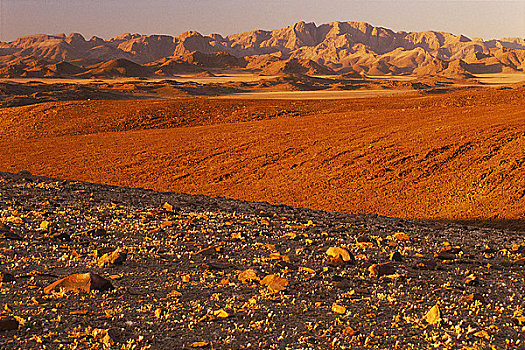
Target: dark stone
471, 280
116, 257
215, 265
80, 282
445, 256
378, 270
451, 250
396, 256
6, 233
96, 232
364, 239
428, 264
472, 298
6, 277
8, 323
59, 236
285, 265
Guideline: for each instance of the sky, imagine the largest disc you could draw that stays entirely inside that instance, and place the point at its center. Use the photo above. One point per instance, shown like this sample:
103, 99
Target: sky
108, 18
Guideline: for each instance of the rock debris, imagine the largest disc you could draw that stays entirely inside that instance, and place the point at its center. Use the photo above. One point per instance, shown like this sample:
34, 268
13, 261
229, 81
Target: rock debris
160, 270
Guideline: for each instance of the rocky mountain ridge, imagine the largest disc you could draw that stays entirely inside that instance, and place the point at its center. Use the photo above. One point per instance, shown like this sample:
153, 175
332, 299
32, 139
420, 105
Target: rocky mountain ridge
339, 46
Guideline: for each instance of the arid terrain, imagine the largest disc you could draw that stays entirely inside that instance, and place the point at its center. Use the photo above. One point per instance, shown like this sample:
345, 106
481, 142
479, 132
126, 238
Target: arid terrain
337, 186
162, 270
20, 92
420, 154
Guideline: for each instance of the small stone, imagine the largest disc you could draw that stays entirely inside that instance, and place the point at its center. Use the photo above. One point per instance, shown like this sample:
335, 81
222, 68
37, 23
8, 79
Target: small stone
433, 316
307, 270
209, 251
6, 277
6, 233
81, 282
248, 275
59, 236
472, 298
364, 239
98, 253
279, 256
112, 337
482, 334
174, 294
166, 223
396, 256
8, 323
79, 312
339, 257
285, 265
106, 336
344, 254
471, 280
274, 283
338, 309
167, 206
96, 232
401, 236
45, 225
216, 266
221, 313
451, 249
379, 270
335, 262
350, 331
519, 319
445, 256
116, 257
427, 264
448, 253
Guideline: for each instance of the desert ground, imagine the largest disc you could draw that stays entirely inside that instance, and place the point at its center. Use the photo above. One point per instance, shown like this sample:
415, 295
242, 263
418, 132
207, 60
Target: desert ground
282, 214
444, 151
90, 266
332, 186
224, 76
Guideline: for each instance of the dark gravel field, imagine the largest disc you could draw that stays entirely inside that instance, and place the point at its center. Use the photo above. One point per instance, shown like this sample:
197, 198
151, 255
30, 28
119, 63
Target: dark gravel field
160, 270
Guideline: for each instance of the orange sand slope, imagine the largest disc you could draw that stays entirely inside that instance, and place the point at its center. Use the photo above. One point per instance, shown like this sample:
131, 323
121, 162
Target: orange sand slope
456, 156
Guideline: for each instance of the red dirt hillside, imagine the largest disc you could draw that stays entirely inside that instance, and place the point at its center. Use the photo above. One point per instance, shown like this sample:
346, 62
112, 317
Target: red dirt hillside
455, 156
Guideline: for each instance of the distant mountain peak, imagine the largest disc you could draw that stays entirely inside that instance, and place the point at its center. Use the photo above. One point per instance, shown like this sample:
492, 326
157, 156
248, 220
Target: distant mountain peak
338, 46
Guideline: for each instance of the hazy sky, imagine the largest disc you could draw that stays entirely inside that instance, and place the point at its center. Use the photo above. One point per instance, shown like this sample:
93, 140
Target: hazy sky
107, 18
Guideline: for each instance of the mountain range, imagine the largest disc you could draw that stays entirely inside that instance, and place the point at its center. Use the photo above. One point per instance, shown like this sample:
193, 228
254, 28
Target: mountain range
305, 48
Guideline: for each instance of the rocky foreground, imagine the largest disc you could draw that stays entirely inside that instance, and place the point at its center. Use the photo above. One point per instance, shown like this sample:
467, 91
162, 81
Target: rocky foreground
89, 266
